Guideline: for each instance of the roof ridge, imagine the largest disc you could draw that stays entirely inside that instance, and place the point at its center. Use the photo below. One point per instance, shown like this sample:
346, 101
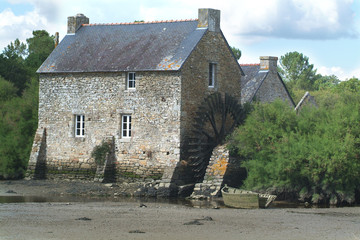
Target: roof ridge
250, 64
135, 23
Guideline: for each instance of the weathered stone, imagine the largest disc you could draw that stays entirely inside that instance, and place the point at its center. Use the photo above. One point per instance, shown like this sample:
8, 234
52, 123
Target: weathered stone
162, 107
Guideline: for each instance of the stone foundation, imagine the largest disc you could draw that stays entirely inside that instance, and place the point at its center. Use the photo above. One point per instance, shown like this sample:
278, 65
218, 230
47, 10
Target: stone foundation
222, 169
211, 185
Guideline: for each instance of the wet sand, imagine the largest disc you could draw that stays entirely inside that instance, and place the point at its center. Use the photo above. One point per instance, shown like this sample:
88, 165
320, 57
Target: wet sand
151, 220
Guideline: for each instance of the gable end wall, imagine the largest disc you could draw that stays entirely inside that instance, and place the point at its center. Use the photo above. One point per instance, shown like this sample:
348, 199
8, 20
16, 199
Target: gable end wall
271, 89
213, 48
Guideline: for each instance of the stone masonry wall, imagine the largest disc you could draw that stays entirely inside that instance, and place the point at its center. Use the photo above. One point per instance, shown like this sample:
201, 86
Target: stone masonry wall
103, 98
271, 89
213, 48
215, 172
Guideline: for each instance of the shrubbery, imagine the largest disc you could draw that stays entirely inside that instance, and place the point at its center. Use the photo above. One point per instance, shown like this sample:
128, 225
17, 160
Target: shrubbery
100, 152
315, 154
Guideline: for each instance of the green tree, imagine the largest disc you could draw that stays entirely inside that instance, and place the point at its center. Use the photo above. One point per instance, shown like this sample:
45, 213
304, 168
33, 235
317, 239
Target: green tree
315, 154
297, 72
18, 113
7, 90
236, 52
352, 85
39, 48
326, 82
18, 123
16, 49
14, 70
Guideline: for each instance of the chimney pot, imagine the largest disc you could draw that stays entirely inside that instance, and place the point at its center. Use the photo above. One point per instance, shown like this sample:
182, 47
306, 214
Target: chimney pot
209, 18
75, 22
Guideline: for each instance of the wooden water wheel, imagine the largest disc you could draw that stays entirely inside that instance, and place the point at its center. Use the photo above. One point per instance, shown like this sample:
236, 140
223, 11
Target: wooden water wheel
216, 117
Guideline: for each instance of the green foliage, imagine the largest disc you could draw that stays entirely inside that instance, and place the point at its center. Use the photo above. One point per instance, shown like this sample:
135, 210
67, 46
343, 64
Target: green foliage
40, 46
326, 82
316, 152
7, 90
297, 72
15, 49
18, 122
19, 101
100, 153
352, 85
14, 70
236, 52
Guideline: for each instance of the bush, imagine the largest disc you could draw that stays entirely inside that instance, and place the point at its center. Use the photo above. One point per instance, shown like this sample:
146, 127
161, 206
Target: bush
316, 152
100, 152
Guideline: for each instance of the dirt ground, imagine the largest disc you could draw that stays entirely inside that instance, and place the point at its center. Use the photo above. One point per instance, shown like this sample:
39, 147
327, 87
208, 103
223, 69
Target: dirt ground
138, 219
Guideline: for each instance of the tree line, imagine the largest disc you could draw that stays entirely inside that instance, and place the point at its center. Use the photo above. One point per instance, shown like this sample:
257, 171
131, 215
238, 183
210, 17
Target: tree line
19, 100
312, 155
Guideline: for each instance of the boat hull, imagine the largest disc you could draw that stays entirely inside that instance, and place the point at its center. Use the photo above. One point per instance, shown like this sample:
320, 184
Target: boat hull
237, 198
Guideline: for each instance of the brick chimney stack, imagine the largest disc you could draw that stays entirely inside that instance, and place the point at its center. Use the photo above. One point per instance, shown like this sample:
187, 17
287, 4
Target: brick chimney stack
268, 63
209, 18
75, 22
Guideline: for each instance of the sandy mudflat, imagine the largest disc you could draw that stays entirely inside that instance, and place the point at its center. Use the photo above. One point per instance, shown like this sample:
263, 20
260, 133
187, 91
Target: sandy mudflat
132, 220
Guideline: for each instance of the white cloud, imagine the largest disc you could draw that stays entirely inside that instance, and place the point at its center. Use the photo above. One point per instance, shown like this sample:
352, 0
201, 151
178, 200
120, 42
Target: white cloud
303, 19
339, 72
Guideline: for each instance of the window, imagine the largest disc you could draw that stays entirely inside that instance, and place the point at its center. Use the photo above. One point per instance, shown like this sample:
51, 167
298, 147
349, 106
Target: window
212, 74
130, 82
79, 125
126, 126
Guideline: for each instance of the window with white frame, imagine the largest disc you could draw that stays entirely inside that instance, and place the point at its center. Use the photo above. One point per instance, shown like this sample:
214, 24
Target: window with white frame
126, 126
212, 74
130, 81
79, 125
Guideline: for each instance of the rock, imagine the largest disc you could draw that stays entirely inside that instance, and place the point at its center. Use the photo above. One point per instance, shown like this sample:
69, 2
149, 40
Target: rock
136, 231
11, 191
84, 219
207, 218
195, 222
186, 190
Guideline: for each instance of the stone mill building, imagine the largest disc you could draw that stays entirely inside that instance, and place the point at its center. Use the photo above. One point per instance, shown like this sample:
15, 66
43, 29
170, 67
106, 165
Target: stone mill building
137, 84
142, 87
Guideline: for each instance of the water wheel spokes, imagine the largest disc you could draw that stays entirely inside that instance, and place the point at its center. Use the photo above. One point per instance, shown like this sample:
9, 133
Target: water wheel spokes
217, 116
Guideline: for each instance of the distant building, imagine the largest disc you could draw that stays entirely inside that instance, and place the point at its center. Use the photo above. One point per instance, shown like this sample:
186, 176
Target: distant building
306, 100
263, 83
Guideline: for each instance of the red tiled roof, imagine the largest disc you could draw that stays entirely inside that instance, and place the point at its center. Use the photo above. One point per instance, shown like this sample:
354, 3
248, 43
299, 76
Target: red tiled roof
132, 23
250, 64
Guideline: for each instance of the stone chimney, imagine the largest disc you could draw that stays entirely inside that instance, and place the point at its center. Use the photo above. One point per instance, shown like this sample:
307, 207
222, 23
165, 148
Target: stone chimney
268, 63
75, 22
209, 18
56, 40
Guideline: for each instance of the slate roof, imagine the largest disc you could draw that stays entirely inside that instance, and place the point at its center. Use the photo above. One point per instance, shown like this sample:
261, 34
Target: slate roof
125, 47
252, 81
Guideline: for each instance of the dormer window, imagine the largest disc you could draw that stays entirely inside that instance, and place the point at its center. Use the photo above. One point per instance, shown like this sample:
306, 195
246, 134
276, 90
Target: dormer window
130, 81
212, 74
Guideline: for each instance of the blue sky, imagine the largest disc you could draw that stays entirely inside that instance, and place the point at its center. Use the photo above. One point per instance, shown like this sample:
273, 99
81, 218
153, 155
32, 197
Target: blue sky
327, 31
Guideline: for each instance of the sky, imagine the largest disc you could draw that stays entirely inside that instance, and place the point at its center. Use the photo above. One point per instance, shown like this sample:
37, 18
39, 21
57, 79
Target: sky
326, 31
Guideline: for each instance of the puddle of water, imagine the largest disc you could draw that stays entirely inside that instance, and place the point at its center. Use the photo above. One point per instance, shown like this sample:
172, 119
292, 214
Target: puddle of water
39, 199
217, 203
